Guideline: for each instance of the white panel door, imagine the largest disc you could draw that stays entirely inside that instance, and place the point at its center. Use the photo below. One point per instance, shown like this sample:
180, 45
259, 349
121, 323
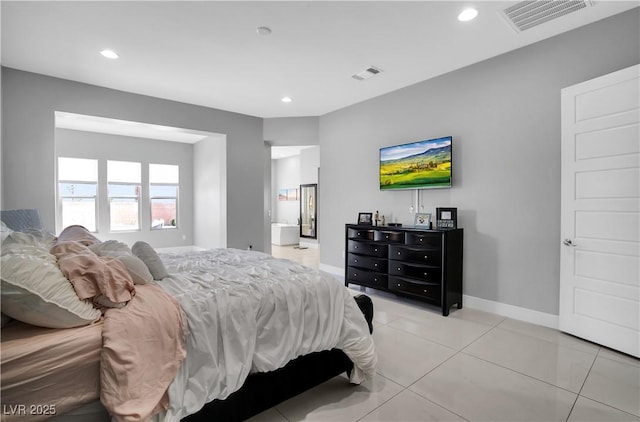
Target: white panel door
600, 227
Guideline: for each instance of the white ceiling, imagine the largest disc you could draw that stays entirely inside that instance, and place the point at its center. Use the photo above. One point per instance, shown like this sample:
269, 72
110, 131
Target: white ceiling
209, 53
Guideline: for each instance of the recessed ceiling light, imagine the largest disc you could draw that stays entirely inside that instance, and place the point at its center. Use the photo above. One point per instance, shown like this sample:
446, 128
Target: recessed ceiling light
286, 99
467, 15
109, 54
263, 30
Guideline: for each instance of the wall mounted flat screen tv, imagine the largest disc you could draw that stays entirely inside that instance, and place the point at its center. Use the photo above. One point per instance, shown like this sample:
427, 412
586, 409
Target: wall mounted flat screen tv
416, 165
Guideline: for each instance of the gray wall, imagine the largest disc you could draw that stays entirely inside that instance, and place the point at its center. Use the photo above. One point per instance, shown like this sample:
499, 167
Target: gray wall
28, 104
210, 193
79, 144
309, 165
504, 115
282, 131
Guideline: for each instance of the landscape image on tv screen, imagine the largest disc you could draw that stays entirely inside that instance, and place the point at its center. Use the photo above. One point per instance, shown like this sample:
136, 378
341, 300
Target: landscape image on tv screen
417, 165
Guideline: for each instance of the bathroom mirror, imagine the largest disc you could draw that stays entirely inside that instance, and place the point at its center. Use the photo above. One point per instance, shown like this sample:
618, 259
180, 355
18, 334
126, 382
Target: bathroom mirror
308, 211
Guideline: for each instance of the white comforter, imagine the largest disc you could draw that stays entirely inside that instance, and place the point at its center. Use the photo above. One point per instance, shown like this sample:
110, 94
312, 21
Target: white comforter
249, 312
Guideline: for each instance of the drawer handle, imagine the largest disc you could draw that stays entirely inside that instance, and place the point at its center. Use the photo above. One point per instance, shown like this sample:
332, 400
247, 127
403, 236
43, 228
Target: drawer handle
375, 250
425, 274
421, 239
425, 290
375, 265
355, 260
399, 269
399, 253
425, 257
355, 274
398, 284
375, 279
355, 247
387, 236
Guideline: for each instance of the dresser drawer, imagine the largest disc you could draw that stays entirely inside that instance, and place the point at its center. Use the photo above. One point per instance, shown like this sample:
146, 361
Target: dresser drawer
420, 288
422, 272
367, 262
367, 278
432, 240
429, 256
388, 236
368, 248
365, 234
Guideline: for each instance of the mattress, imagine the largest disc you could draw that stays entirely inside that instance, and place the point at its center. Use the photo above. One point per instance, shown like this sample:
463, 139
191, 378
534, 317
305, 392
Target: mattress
48, 371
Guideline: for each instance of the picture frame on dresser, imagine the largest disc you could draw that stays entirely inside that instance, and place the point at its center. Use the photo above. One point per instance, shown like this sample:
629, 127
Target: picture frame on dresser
446, 218
365, 218
422, 219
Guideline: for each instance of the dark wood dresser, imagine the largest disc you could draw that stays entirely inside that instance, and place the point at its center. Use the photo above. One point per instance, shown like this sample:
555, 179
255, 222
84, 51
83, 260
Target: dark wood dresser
414, 262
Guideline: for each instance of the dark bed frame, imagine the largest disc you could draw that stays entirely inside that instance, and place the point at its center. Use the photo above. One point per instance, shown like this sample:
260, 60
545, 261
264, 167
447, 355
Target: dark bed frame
262, 391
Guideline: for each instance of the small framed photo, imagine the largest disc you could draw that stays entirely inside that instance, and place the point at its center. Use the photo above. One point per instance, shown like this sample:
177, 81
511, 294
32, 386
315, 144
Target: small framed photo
446, 218
422, 219
365, 218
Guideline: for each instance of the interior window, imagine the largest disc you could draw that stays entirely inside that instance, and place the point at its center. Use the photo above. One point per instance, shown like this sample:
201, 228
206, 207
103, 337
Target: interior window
78, 192
123, 184
163, 194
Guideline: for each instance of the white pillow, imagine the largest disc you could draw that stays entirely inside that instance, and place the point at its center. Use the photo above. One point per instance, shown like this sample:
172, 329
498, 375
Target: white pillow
39, 238
111, 248
4, 230
35, 291
137, 269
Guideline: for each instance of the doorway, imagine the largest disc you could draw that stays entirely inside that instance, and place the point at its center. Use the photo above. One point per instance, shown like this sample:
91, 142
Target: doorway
294, 203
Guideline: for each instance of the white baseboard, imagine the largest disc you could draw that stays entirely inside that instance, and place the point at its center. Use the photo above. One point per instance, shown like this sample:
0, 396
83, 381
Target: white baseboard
502, 309
337, 271
510, 311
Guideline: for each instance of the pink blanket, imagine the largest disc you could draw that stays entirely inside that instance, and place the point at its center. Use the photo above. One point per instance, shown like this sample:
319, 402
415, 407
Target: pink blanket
143, 347
92, 275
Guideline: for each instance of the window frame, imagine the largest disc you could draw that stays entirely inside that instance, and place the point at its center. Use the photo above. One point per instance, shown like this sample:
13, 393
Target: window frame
151, 198
60, 196
137, 185
139, 201
96, 199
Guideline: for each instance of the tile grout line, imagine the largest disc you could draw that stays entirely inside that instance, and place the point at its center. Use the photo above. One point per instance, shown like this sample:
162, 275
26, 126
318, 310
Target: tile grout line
386, 401
573, 406
520, 373
565, 346
585, 381
407, 388
457, 352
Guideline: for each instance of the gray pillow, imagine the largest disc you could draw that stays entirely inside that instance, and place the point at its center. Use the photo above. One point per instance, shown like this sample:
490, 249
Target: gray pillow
148, 255
138, 270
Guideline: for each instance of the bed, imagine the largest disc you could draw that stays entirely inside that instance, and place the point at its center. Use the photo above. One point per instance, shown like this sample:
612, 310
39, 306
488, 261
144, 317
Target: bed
238, 332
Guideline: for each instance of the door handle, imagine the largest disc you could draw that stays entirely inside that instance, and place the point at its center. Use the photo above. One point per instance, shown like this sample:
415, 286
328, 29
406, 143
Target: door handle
569, 242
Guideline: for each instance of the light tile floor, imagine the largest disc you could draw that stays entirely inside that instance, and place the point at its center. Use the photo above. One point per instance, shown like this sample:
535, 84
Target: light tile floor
473, 366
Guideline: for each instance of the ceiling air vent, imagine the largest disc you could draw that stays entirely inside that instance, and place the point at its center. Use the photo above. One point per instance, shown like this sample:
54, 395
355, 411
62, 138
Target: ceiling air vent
527, 14
367, 73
